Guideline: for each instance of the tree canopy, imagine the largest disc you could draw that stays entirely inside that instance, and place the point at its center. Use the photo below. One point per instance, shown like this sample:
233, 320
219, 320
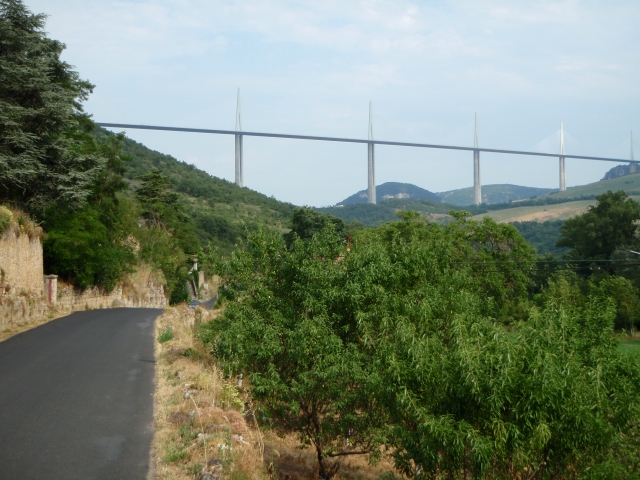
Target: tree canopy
401, 341
42, 125
610, 224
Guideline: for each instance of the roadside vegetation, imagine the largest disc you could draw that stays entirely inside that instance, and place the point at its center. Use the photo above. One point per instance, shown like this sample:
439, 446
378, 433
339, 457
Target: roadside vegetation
432, 346
446, 347
106, 203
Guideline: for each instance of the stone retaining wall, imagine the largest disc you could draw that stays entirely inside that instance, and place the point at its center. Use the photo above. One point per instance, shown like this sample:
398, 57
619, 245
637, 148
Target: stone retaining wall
21, 262
27, 296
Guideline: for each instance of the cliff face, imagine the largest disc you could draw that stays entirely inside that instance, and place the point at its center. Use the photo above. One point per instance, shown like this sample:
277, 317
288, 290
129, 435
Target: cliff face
617, 171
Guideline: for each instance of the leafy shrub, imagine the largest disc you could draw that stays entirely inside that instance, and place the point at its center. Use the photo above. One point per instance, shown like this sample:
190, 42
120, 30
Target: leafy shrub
82, 247
5, 219
166, 334
402, 341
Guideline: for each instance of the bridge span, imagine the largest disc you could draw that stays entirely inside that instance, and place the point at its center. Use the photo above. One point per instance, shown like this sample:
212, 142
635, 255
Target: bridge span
238, 133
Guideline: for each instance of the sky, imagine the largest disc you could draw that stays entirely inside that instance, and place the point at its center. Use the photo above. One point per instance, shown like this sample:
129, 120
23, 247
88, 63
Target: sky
312, 67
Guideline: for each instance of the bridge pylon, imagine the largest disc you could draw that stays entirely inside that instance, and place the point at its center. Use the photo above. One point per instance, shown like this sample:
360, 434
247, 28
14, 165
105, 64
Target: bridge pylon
632, 165
239, 181
371, 188
563, 178
477, 187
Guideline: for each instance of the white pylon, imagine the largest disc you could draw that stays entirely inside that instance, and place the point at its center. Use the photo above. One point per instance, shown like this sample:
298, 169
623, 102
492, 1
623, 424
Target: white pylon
477, 188
371, 186
239, 180
632, 165
563, 182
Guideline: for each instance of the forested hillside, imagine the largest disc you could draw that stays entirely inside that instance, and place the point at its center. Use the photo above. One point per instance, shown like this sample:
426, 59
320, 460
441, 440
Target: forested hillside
392, 190
492, 194
219, 209
373, 215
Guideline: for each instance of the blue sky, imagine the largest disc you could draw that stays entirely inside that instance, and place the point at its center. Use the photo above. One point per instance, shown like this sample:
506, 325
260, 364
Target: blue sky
312, 67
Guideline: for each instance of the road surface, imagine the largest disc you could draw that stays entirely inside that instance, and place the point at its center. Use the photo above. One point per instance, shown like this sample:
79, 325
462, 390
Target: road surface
76, 397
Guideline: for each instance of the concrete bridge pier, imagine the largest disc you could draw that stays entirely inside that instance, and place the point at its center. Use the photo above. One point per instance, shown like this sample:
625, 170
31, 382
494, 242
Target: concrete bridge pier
632, 165
371, 186
371, 190
477, 187
239, 160
563, 179
239, 181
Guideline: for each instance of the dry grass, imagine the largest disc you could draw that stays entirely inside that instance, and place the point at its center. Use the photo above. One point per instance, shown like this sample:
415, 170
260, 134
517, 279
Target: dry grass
539, 213
193, 400
199, 424
20, 222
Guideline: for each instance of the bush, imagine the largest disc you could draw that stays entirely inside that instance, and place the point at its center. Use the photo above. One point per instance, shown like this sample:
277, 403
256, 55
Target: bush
5, 219
165, 335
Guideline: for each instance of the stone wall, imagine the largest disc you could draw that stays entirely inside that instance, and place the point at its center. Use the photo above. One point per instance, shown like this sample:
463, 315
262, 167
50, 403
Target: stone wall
70, 298
25, 299
21, 262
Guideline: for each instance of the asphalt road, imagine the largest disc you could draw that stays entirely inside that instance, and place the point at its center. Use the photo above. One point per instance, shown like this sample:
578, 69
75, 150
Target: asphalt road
76, 397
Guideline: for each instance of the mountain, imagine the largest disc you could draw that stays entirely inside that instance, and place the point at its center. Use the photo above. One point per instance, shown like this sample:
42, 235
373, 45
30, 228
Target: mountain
372, 215
629, 183
391, 190
492, 194
220, 210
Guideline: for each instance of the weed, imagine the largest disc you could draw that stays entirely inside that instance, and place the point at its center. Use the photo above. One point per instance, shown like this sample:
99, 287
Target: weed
175, 454
186, 433
5, 219
166, 334
230, 398
191, 353
240, 476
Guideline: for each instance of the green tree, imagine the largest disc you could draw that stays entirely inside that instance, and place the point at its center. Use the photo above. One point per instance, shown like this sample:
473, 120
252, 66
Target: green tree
624, 295
94, 245
401, 340
287, 326
306, 222
42, 125
167, 238
161, 206
605, 227
466, 397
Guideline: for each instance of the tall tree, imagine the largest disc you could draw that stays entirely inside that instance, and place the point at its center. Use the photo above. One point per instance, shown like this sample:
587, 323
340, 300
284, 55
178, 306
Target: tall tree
94, 245
605, 227
306, 222
42, 124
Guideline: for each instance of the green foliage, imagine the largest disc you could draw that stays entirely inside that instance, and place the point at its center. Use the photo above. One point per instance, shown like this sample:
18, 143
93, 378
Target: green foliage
306, 222
543, 236
166, 334
42, 126
625, 296
5, 219
373, 215
81, 248
93, 245
179, 293
493, 194
161, 206
167, 239
605, 227
402, 341
220, 211
286, 326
